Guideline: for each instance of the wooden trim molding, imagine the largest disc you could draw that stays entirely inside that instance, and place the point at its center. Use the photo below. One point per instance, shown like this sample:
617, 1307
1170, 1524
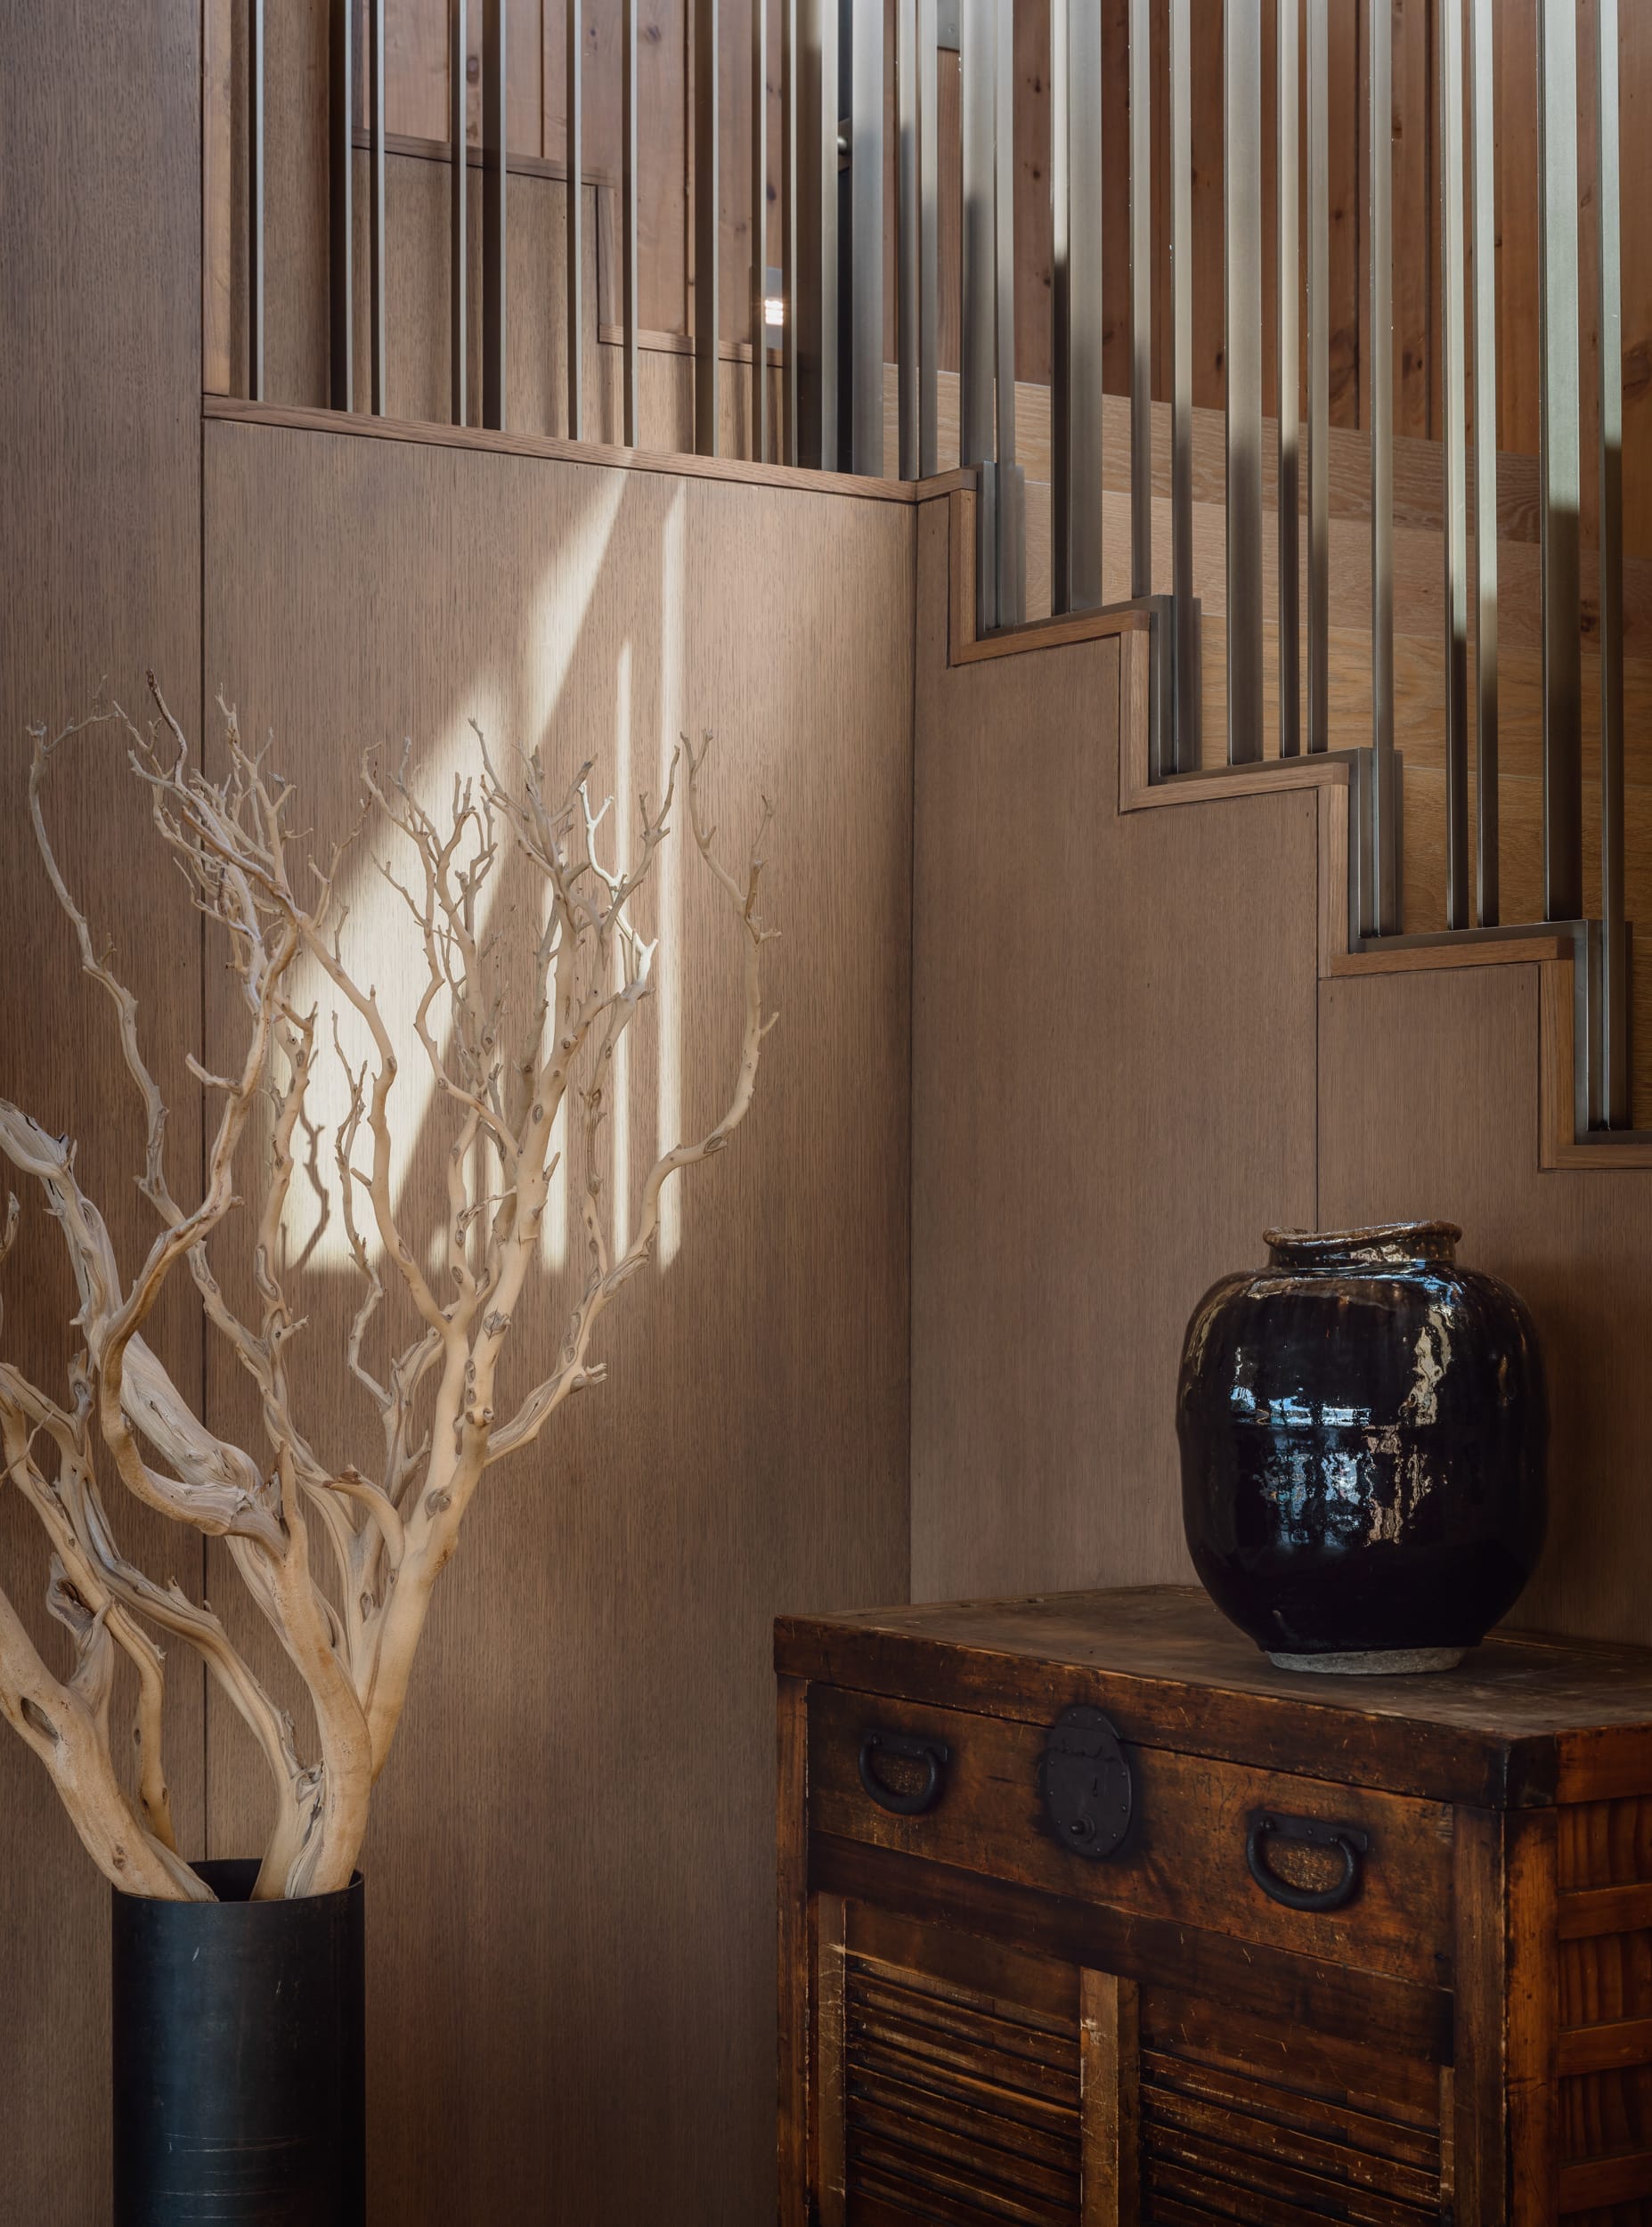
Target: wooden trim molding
964, 645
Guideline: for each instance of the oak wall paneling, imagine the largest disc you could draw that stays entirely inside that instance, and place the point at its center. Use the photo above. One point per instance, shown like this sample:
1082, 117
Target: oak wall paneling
571, 1993
100, 288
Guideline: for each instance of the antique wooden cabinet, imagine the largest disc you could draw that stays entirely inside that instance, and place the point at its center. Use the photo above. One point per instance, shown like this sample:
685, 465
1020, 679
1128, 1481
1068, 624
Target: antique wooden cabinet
1089, 1914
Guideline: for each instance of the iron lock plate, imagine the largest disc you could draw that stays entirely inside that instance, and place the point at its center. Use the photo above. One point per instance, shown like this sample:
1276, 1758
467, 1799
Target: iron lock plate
1085, 1783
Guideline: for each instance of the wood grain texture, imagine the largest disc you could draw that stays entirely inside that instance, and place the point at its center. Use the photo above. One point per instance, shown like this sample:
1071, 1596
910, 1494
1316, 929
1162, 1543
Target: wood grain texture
599, 1859
1058, 1127
100, 283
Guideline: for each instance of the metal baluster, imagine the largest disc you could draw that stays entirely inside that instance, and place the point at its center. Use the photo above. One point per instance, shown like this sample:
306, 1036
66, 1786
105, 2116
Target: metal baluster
866, 237
1559, 468
628, 227
976, 57
706, 184
1456, 488
495, 157
376, 202
254, 203
1319, 379
1614, 1097
1242, 199
1076, 403
815, 297
1289, 377
1141, 298
574, 149
908, 250
1012, 513
341, 212
459, 224
929, 241
759, 230
1487, 899
1383, 917
1185, 753
788, 230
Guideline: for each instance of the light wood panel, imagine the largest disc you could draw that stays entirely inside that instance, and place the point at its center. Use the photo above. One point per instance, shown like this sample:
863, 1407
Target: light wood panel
1112, 1060
572, 1983
99, 286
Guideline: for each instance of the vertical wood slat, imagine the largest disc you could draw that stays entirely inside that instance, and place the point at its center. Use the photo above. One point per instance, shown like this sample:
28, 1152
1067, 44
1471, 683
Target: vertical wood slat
706, 199
495, 124
759, 230
1288, 282
1242, 197
1484, 217
1384, 915
629, 396
1141, 297
573, 147
1109, 2073
1076, 403
1319, 374
929, 241
908, 250
1479, 2097
377, 343
789, 452
1186, 748
341, 211
1456, 540
795, 1962
828, 2100
1560, 465
1615, 1108
866, 237
459, 214
254, 202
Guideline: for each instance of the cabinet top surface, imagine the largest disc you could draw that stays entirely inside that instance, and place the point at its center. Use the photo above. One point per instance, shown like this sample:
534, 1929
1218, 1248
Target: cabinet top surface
1526, 1718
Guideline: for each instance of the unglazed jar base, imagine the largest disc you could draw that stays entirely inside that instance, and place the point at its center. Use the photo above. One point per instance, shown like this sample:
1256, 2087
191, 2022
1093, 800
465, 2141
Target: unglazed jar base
1378, 1662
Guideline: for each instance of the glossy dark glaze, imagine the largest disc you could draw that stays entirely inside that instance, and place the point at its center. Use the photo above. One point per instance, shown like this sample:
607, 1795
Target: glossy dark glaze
1364, 1430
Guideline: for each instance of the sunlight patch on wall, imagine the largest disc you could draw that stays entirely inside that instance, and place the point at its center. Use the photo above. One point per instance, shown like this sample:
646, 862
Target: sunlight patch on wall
621, 815
668, 964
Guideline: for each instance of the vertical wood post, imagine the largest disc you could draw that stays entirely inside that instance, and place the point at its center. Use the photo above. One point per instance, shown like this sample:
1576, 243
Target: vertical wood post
796, 1962
1110, 2079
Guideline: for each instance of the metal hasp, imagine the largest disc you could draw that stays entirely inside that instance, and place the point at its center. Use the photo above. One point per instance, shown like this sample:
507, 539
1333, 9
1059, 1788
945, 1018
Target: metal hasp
1242, 197
1560, 470
378, 368
254, 203
341, 196
495, 115
1347, 1841
1076, 405
458, 212
707, 197
864, 369
574, 211
812, 309
1085, 1782
627, 225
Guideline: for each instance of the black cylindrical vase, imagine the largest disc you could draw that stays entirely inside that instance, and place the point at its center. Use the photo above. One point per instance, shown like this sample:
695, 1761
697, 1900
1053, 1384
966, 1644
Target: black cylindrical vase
1363, 1431
239, 2057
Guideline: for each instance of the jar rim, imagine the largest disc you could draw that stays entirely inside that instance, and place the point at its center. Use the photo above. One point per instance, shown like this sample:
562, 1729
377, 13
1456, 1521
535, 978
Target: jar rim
1379, 1244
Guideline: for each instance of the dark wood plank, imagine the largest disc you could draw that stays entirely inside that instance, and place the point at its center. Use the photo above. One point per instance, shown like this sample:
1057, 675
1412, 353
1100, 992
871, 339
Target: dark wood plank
1111, 2041
794, 1961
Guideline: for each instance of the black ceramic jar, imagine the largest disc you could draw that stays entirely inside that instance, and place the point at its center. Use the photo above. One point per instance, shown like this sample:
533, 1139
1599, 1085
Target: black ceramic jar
1363, 1431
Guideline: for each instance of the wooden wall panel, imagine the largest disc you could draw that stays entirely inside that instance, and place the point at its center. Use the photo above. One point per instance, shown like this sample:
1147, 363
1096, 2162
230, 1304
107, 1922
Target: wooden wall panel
571, 1863
100, 289
1112, 1096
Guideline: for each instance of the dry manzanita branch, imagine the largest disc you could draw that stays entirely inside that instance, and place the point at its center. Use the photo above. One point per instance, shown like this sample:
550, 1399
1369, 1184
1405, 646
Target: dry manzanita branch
340, 1563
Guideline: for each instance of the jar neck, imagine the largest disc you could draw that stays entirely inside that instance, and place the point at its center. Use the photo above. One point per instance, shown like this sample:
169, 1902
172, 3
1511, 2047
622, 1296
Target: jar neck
1384, 1245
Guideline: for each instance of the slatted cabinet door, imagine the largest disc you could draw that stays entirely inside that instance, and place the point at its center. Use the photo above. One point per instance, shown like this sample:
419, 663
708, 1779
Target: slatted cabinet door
961, 2081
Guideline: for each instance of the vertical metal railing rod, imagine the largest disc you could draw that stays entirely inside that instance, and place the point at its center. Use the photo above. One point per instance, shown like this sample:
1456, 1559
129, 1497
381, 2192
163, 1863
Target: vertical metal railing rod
1484, 218
908, 340
1319, 375
1011, 518
1141, 297
1452, 308
458, 213
815, 299
495, 159
1560, 464
1289, 377
1615, 1096
1243, 200
759, 230
379, 350
929, 241
629, 396
706, 186
341, 211
1076, 402
1185, 752
574, 149
866, 237
254, 202
788, 232
1383, 915
977, 60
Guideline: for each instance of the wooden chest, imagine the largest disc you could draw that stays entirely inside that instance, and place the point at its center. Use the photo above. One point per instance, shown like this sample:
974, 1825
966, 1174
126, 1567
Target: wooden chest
1089, 1914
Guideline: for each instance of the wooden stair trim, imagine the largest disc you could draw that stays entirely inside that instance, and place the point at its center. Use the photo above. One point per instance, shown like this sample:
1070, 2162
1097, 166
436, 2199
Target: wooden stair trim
964, 645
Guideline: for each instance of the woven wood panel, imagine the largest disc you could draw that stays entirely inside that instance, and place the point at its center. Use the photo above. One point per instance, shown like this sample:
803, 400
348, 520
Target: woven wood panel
1604, 1872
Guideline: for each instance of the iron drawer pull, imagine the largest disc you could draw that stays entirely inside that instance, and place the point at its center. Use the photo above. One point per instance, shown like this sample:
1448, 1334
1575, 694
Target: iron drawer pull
1317, 1834
933, 1754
